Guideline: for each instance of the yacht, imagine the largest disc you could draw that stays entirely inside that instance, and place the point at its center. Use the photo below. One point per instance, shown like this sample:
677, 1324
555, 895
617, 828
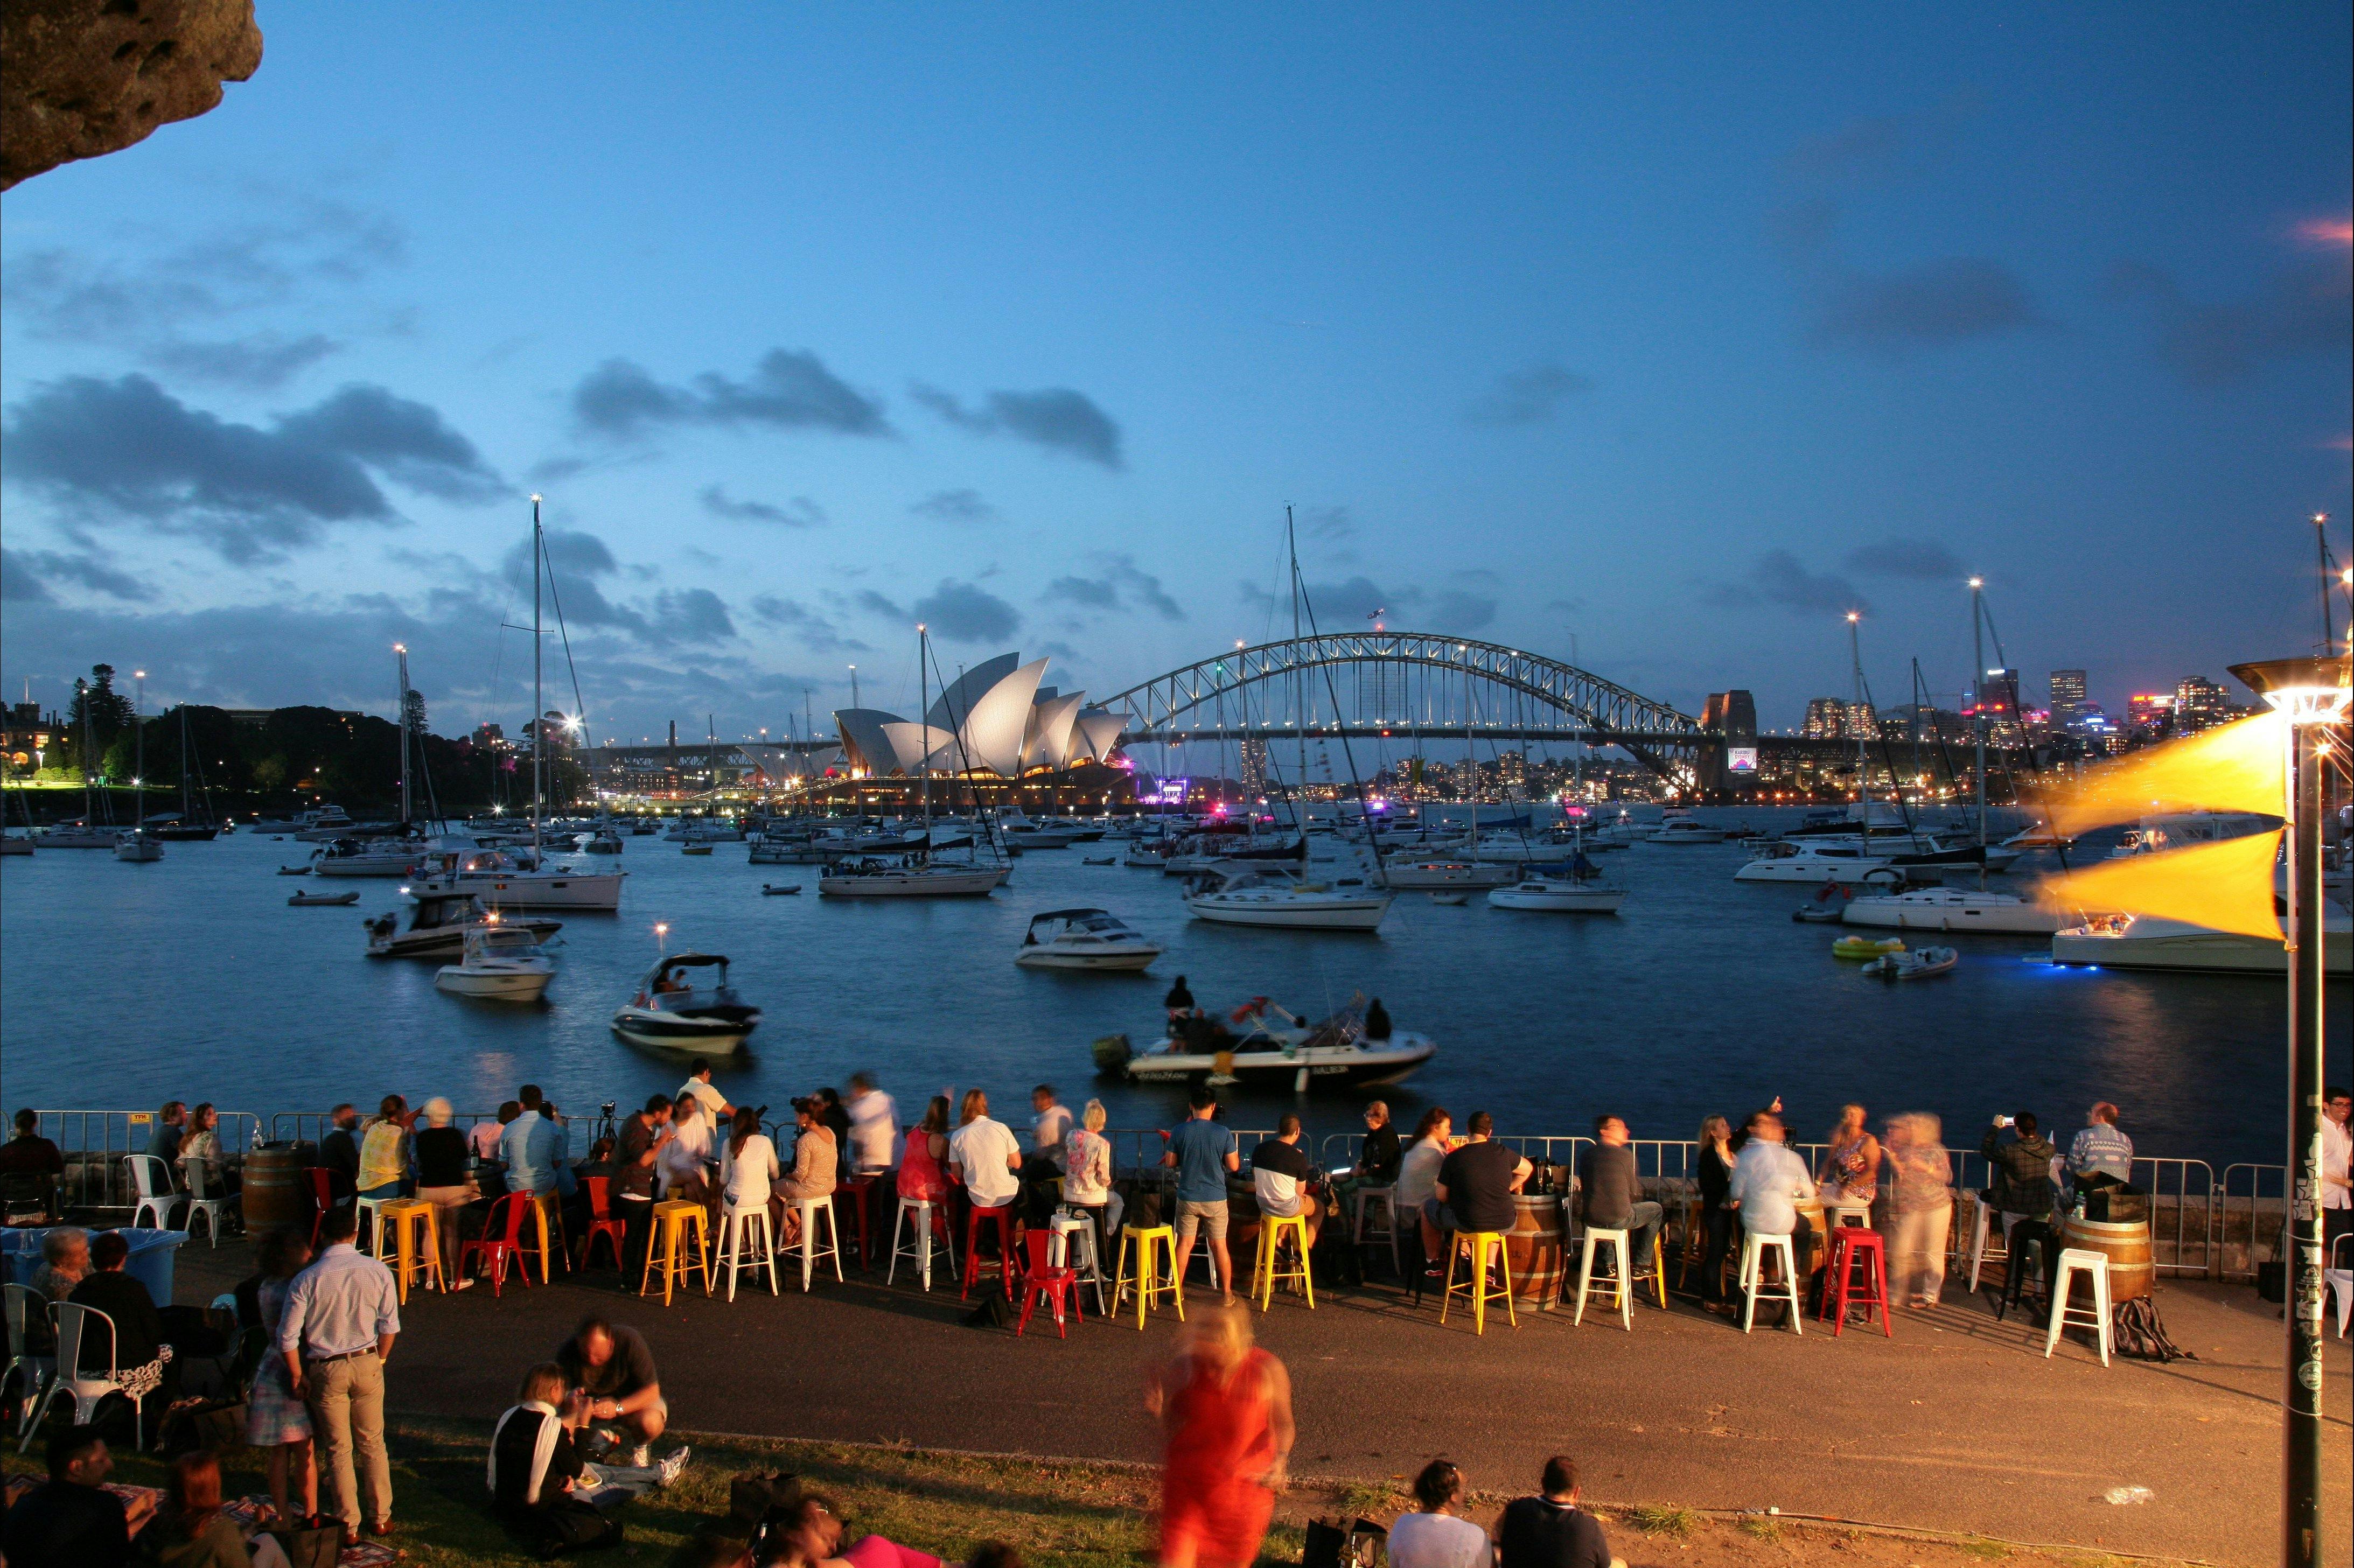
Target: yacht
604, 841
1249, 894
1953, 909
1687, 831
1623, 828
500, 963
322, 826
1520, 849
1084, 940
437, 924
1558, 894
368, 857
2149, 942
1413, 874
1811, 862
909, 877
79, 835
672, 1012
138, 845
505, 882
1335, 1053
2175, 830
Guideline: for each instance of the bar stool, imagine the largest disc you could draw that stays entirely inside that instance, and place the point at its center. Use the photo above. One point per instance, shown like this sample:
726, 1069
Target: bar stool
2073, 1261
1477, 1244
857, 1189
1265, 1269
1851, 1214
366, 1229
1076, 1233
928, 1217
1154, 1242
811, 1211
1621, 1286
548, 1205
735, 1227
671, 1220
408, 1221
1984, 1242
1043, 1278
1387, 1198
1753, 1248
1004, 1216
1852, 1245
324, 1197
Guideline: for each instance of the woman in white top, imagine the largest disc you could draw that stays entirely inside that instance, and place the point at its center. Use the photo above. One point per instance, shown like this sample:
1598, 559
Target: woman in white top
683, 1161
747, 1167
1418, 1177
1437, 1537
1087, 1173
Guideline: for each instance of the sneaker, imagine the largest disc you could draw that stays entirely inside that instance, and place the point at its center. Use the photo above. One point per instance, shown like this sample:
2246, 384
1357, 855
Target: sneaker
673, 1463
641, 1457
465, 1282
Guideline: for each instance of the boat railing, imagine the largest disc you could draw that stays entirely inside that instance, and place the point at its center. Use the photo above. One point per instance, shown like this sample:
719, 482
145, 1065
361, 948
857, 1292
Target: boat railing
2251, 1205
95, 1141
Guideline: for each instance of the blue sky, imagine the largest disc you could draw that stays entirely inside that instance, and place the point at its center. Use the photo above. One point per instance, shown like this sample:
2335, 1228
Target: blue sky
1678, 332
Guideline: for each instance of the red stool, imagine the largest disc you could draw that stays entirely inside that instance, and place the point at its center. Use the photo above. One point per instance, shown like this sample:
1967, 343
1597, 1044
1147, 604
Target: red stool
1003, 1215
602, 1222
860, 1190
323, 1196
1852, 1245
501, 1243
1048, 1280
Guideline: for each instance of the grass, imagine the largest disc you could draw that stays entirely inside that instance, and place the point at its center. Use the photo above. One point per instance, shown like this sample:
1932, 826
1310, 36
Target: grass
1761, 1527
1366, 1500
1655, 1519
1989, 1550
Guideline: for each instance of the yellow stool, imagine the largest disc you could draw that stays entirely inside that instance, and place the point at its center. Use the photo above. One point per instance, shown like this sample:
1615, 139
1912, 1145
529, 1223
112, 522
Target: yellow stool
408, 1220
1478, 1243
546, 1204
671, 1220
1149, 1281
1264, 1274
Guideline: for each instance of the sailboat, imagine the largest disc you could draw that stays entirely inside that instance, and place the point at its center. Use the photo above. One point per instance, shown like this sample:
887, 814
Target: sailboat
137, 845
187, 827
86, 833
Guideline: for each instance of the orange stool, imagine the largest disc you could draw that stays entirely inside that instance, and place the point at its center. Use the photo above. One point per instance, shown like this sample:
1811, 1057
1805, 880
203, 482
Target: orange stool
1851, 1245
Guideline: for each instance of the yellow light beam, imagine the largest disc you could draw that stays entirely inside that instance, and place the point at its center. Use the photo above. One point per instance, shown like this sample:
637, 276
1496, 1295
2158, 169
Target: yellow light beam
2237, 767
2227, 886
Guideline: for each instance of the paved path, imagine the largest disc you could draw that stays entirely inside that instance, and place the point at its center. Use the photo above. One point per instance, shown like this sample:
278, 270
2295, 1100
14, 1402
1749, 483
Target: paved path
1957, 1424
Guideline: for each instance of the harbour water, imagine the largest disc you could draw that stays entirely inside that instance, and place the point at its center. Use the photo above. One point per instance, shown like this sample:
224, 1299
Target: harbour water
123, 985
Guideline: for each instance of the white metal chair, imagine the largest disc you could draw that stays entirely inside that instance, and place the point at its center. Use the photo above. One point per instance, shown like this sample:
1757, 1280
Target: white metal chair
212, 1209
1987, 1242
24, 1304
151, 1179
2339, 1280
919, 1245
1753, 1248
368, 1230
2073, 1261
736, 1241
812, 1210
87, 1389
1596, 1235
1387, 1198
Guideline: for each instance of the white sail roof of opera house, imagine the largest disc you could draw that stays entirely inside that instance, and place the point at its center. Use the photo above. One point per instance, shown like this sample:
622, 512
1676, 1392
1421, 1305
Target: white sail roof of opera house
995, 718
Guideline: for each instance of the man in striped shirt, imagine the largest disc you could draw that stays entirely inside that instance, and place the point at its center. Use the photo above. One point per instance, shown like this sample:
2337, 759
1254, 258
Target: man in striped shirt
2101, 1151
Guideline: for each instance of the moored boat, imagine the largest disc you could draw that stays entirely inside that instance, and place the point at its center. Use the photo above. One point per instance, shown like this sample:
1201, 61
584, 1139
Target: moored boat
1084, 940
672, 1012
501, 963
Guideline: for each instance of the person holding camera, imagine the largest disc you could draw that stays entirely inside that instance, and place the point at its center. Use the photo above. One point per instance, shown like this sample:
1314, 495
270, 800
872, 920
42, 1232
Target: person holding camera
2021, 1194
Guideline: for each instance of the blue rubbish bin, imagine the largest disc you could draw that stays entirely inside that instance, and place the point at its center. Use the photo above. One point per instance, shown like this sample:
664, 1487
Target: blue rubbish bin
149, 1262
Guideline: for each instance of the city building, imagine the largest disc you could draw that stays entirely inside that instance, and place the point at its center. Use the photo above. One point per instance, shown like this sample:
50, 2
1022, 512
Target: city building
2067, 697
1832, 718
29, 732
2149, 715
1254, 767
2200, 703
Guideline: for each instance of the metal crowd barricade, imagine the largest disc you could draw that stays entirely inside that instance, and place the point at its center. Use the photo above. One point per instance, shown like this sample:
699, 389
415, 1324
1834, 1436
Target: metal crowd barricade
95, 1141
2196, 1248
2264, 1186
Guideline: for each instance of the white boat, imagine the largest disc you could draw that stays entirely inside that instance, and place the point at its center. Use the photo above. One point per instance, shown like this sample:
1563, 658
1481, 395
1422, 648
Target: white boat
2174, 830
1952, 909
437, 926
79, 835
368, 857
138, 845
1519, 849
1412, 875
14, 844
1248, 894
1918, 964
1810, 860
1458, 897
2148, 942
1560, 895
502, 882
502, 963
1623, 828
1333, 1054
671, 1012
605, 840
1084, 940
1044, 835
1686, 831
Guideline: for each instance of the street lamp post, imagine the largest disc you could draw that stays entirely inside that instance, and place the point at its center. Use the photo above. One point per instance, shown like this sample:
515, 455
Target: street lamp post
2312, 695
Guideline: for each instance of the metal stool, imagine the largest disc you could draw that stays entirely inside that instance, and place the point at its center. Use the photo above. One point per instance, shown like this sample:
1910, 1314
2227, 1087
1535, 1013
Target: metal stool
1387, 1198
1621, 1286
1478, 1243
1265, 1270
1852, 1245
735, 1238
811, 1211
368, 1230
2073, 1261
1004, 1216
1075, 1230
1152, 1242
1753, 1248
1984, 1243
856, 1190
405, 1220
666, 1247
928, 1217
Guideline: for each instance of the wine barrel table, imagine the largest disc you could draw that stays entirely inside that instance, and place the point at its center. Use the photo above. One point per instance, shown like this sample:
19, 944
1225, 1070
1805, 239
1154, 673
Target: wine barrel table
1534, 1248
277, 1191
2126, 1244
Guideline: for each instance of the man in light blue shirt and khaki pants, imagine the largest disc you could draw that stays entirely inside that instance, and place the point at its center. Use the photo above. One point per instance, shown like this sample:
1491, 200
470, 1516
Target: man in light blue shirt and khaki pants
341, 1316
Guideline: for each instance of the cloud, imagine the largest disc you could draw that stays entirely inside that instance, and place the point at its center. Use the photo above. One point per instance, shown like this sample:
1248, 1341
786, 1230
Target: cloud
1056, 417
955, 506
688, 615
1328, 521
129, 449
1922, 558
28, 575
1526, 397
789, 389
874, 603
815, 631
2301, 309
1777, 578
262, 362
1354, 603
967, 612
1120, 574
801, 512
1929, 305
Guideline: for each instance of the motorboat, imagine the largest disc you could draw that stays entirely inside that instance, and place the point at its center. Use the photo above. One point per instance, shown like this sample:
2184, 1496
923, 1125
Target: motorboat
503, 881
1084, 940
324, 900
1520, 849
1623, 828
1811, 862
1454, 898
672, 1012
604, 841
500, 963
2149, 942
325, 825
1044, 835
2174, 830
1558, 894
1953, 909
1255, 894
137, 846
1867, 946
1274, 1048
368, 857
696, 846
1687, 831
437, 924
775, 890
1415, 876
1917, 964
911, 876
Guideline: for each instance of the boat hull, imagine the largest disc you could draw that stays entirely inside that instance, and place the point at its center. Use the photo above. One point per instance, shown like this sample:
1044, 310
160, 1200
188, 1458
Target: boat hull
1451, 875
2193, 949
1343, 1067
1048, 958
1561, 901
669, 1032
912, 884
1913, 912
586, 890
1333, 915
1814, 872
504, 985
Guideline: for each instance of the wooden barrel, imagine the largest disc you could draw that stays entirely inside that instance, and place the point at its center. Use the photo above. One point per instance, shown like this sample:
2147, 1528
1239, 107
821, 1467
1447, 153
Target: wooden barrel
277, 1192
1813, 1255
2126, 1244
1533, 1249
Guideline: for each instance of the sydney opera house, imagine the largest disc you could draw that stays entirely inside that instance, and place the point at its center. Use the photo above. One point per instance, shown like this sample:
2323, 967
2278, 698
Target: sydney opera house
995, 718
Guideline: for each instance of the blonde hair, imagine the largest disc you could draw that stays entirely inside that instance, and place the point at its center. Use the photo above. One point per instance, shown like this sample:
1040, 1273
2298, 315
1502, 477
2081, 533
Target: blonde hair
1848, 1115
1093, 1117
1715, 1132
975, 1104
545, 1384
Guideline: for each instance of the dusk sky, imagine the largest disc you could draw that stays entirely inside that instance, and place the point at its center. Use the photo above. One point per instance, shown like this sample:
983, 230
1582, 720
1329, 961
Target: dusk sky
1679, 333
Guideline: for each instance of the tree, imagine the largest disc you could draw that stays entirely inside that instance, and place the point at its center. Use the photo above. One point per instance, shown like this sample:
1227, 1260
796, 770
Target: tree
106, 710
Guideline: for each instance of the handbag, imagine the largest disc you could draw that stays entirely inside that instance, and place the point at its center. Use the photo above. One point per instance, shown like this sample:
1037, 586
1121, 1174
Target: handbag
216, 1426
310, 1545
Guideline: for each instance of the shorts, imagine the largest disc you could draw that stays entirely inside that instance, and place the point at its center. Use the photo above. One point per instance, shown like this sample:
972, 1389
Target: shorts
1441, 1217
1209, 1218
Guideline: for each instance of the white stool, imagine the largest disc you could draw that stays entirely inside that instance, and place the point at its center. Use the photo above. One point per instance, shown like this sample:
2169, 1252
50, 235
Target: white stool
1596, 1235
2339, 1280
365, 1221
1077, 1230
920, 1246
1985, 1243
1753, 1248
1387, 1198
736, 1226
812, 1210
1851, 1214
2077, 1260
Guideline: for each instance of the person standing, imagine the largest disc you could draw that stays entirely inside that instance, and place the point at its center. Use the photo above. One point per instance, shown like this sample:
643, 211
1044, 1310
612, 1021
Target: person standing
1202, 1153
1225, 1407
1920, 1202
1050, 1123
444, 1180
384, 1152
339, 1150
873, 1128
1713, 1172
533, 1147
1850, 1178
275, 1420
1550, 1530
698, 1088
638, 1147
336, 1335
1614, 1191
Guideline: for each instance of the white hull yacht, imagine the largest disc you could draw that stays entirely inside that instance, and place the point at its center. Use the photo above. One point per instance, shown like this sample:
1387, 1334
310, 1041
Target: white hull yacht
502, 883
1810, 861
2148, 942
437, 924
1417, 876
1685, 831
1084, 940
1559, 895
1245, 893
1953, 909
502, 963
853, 881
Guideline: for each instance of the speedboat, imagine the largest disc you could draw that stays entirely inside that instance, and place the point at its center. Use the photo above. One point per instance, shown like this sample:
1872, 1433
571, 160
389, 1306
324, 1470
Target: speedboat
1558, 894
1249, 893
1084, 940
1918, 964
1812, 863
2149, 942
369, 857
437, 926
670, 1012
502, 963
502, 881
1953, 909
1413, 875
1686, 831
1273, 1049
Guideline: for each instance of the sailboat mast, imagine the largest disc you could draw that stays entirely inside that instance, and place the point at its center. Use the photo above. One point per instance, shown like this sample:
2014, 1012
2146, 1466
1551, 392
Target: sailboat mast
1855, 717
400, 651
538, 725
139, 767
1977, 706
1299, 688
923, 693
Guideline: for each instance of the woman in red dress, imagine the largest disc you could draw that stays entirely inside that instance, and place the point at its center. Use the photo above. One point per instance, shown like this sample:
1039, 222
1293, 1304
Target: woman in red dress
1226, 1408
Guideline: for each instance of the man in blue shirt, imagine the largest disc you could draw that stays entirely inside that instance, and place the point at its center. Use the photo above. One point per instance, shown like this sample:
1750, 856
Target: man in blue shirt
1202, 1152
534, 1148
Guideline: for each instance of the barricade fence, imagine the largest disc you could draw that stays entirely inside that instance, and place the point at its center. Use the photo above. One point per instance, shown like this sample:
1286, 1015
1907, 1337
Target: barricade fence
95, 1143
2252, 1207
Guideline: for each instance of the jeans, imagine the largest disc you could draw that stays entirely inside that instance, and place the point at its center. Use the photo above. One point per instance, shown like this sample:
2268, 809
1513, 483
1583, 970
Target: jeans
1720, 1243
346, 1404
1917, 1261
